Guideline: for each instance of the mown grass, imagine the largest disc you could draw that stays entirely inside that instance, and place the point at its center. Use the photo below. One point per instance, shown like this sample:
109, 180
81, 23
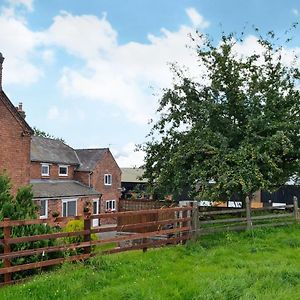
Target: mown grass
263, 264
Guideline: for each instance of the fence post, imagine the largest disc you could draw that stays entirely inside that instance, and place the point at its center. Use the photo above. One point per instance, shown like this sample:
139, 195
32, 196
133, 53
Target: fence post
248, 213
6, 248
87, 226
184, 224
296, 209
195, 221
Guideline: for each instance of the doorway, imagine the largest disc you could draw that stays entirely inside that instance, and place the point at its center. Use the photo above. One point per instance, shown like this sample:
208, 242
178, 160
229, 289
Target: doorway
95, 212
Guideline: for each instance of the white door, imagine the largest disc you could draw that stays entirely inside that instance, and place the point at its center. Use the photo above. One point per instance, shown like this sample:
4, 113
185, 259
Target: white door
95, 212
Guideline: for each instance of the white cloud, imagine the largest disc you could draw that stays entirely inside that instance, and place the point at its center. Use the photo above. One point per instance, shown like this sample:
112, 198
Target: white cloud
18, 46
48, 56
197, 19
120, 75
85, 36
128, 157
295, 11
28, 4
53, 113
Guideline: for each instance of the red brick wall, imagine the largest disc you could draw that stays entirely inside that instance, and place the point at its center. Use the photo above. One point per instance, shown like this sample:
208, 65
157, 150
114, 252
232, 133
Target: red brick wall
14, 149
82, 177
107, 165
35, 172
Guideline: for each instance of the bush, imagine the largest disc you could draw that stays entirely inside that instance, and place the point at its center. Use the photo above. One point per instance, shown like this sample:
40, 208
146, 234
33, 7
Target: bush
22, 207
76, 225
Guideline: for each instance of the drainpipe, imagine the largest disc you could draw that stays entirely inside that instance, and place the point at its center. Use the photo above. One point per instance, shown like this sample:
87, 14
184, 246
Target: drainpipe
90, 178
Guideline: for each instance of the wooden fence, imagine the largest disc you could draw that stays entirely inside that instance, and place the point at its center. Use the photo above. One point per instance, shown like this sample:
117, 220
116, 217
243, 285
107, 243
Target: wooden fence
134, 230
142, 204
170, 226
245, 218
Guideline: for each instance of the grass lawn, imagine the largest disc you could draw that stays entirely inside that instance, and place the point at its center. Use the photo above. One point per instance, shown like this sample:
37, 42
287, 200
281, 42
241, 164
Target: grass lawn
263, 264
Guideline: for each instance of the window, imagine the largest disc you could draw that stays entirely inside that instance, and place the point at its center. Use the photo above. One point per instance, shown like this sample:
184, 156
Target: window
110, 205
45, 169
43, 209
69, 208
107, 179
63, 170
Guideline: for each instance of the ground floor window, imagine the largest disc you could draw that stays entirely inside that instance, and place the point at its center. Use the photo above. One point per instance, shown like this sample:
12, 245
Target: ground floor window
69, 207
110, 205
44, 209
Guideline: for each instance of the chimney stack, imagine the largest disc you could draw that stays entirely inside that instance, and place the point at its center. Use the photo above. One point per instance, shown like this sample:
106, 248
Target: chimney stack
20, 110
1, 63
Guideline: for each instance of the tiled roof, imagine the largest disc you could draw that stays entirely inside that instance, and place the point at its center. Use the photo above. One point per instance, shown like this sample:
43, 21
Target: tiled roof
53, 151
133, 175
89, 158
61, 188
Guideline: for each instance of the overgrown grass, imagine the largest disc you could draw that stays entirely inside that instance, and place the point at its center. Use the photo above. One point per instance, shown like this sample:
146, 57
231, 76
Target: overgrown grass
263, 264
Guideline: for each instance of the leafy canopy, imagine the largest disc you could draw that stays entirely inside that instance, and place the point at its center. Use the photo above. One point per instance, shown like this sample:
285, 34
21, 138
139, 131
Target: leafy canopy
234, 131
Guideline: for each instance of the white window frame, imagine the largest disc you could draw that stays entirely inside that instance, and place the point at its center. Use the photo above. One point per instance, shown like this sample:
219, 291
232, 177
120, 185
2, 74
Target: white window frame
66, 201
114, 205
107, 179
46, 209
45, 165
63, 166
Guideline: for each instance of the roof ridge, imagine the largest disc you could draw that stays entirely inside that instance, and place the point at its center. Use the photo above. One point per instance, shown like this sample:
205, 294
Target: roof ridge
91, 149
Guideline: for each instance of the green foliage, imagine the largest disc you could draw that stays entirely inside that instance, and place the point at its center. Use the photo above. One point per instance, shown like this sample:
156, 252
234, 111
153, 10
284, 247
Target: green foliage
215, 267
76, 225
38, 132
18, 208
238, 126
22, 207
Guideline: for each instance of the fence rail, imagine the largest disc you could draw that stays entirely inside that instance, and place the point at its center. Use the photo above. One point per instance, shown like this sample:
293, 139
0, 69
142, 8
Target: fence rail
134, 230
246, 218
171, 225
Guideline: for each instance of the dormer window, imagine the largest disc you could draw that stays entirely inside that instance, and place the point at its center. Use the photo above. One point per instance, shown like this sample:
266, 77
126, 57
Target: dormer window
45, 169
62, 170
107, 179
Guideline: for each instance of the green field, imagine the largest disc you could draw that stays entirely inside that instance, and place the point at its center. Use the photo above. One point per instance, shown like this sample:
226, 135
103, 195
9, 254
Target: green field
263, 264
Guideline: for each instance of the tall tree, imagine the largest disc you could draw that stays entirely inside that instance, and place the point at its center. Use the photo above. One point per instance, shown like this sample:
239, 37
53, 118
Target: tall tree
235, 131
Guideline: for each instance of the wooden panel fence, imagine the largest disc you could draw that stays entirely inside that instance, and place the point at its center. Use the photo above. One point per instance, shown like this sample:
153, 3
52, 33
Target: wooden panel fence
142, 204
170, 226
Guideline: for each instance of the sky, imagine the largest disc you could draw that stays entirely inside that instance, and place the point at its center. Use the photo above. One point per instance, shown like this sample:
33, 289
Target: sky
92, 72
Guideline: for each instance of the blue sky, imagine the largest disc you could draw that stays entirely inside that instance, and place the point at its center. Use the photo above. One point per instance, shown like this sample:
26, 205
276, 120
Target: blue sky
92, 71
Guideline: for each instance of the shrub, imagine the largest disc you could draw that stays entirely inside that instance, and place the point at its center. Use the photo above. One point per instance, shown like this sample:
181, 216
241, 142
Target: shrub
76, 225
22, 207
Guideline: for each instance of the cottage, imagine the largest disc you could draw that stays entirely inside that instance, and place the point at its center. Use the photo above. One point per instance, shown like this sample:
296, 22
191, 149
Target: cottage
65, 180
15, 136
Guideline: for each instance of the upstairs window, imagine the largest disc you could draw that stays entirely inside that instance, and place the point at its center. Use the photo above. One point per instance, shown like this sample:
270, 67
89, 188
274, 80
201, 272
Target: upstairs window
107, 179
62, 170
45, 169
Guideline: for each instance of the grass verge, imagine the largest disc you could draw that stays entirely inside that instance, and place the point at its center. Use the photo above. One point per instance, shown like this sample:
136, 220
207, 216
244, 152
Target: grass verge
260, 264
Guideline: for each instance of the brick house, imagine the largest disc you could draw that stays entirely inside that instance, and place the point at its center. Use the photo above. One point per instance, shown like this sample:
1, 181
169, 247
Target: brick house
99, 169
65, 180
15, 136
